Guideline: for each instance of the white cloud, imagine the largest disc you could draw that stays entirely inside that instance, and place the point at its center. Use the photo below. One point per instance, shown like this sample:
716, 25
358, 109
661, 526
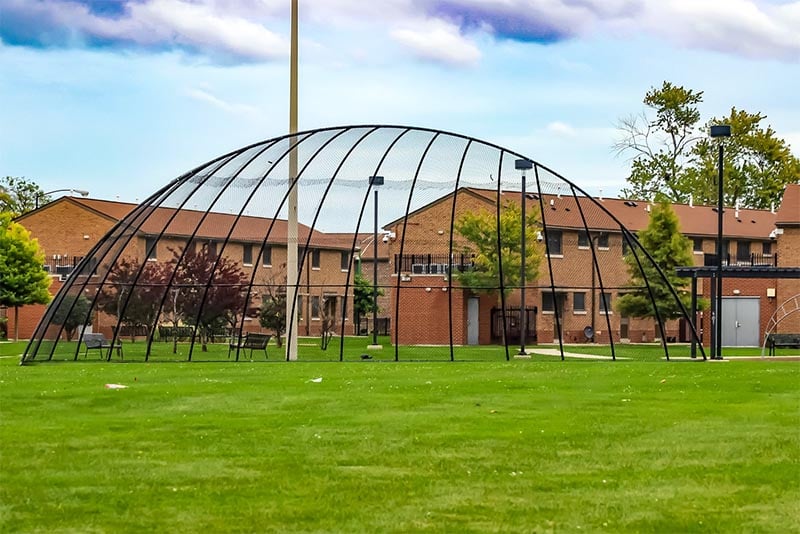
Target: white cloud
739, 27
560, 128
439, 42
204, 96
198, 26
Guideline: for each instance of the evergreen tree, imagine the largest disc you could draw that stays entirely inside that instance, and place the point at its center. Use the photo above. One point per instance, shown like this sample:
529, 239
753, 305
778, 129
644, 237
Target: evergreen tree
670, 249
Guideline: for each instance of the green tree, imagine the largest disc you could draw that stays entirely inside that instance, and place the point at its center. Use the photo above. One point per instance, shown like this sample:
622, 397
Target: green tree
72, 317
23, 279
673, 159
669, 248
480, 229
18, 195
757, 164
661, 145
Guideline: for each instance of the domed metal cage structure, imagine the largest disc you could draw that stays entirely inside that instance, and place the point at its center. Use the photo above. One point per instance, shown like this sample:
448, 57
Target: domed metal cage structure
420, 222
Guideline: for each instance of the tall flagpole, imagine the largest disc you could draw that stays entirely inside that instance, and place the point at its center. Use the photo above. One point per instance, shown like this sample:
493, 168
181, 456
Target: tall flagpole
291, 229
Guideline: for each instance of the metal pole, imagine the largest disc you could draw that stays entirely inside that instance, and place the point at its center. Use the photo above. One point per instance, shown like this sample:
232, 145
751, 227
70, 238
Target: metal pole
375, 274
693, 315
719, 256
523, 311
291, 230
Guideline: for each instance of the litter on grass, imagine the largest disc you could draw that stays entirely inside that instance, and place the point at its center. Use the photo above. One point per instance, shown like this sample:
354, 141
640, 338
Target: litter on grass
316, 380
115, 386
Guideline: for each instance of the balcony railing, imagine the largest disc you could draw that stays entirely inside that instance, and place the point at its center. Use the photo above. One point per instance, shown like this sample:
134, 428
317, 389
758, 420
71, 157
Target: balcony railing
751, 260
432, 263
61, 265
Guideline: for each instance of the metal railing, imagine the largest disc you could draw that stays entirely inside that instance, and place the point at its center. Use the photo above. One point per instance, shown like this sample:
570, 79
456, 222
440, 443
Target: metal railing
751, 260
432, 263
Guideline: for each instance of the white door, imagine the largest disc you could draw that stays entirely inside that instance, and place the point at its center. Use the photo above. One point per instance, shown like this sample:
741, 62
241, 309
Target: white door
473, 311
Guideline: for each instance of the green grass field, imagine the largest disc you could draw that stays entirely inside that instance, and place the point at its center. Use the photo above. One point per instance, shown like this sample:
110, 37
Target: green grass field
489, 446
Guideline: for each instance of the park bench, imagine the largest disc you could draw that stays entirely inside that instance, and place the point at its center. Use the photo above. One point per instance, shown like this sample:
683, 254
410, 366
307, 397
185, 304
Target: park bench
99, 342
782, 340
249, 341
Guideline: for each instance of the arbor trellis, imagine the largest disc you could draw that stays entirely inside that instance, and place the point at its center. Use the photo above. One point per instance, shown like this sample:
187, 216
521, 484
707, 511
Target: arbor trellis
230, 212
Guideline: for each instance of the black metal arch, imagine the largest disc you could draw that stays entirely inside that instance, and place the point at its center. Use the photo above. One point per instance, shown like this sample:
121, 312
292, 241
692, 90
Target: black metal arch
418, 161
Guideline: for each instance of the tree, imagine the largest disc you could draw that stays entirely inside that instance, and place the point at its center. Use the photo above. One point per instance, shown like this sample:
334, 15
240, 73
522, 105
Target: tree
364, 301
757, 164
272, 314
136, 305
669, 248
18, 195
674, 160
480, 229
661, 146
221, 300
23, 279
72, 316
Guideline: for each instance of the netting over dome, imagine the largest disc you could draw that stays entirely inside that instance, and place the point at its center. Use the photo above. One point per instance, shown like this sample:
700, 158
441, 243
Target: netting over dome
201, 263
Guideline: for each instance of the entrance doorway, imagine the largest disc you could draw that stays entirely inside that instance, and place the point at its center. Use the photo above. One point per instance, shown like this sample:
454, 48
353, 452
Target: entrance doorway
740, 321
473, 325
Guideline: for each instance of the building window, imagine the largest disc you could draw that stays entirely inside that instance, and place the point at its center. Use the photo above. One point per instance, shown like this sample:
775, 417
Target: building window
766, 248
554, 238
247, 254
315, 258
583, 239
344, 262
212, 248
315, 307
266, 256
299, 309
697, 244
547, 301
579, 302
604, 304
625, 246
743, 250
602, 240
150, 247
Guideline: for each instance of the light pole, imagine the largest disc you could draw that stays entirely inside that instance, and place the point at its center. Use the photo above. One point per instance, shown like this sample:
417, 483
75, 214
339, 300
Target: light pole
81, 192
374, 182
722, 130
523, 165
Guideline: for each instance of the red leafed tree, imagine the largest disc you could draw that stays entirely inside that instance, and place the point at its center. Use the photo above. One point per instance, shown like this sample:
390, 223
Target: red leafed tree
223, 299
134, 301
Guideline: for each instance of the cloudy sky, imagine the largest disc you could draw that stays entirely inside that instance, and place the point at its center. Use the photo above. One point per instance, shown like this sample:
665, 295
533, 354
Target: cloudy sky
120, 96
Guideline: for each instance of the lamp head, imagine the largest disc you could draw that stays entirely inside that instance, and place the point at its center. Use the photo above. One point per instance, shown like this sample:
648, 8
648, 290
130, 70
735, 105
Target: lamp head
523, 164
720, 130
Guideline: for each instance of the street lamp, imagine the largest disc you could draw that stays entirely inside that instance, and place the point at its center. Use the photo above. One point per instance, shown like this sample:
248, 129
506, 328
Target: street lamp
374, 182
721, 130
523, 165
81, 192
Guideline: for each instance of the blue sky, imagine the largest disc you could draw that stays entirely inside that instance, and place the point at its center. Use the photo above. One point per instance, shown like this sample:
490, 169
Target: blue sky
120, 96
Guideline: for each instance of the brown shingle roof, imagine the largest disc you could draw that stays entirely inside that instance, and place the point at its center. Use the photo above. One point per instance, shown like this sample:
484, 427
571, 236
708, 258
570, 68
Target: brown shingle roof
564, 212
789, 212
215, 225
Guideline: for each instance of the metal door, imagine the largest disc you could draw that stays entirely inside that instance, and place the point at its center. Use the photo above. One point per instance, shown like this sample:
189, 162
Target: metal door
740, 317
473, 311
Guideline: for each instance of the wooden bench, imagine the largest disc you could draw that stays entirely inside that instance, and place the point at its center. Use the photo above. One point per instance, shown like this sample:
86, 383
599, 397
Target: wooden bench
782, 340
249, 341
99, 342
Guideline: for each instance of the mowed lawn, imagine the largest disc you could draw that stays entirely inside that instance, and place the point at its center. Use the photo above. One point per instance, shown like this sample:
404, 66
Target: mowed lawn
372, 446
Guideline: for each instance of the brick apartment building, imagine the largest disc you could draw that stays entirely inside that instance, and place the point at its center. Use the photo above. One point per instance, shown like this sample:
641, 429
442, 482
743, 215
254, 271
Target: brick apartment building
69, 227
427, 294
